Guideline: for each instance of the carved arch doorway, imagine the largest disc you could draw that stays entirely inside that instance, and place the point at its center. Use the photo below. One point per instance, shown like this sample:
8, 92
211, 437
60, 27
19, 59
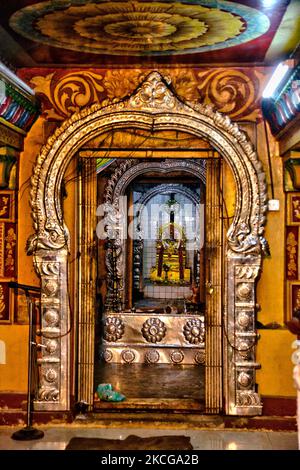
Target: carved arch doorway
152, 106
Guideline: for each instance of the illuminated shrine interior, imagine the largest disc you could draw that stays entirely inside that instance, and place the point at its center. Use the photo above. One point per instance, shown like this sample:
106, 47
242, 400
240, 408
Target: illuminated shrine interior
169, 265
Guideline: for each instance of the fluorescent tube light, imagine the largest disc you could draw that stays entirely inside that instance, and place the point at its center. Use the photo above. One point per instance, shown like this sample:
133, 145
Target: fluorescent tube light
277, 77
268, 3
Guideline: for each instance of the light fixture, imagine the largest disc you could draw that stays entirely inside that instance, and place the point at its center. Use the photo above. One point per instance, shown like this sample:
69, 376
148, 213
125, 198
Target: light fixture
275, 80
232, 446
268, 3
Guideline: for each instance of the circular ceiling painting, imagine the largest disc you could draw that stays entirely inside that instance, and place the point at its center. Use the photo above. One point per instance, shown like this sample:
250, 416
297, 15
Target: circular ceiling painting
140, 27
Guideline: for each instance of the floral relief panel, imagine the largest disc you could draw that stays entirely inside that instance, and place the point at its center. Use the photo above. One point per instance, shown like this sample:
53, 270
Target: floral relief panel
292, 264
8, 252
232, 91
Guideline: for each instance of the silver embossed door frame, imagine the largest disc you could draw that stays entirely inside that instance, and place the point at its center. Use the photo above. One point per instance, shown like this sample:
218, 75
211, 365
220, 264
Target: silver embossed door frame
153, 106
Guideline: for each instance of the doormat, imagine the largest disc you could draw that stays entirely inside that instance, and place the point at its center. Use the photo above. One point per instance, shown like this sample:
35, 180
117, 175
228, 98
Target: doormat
131, 443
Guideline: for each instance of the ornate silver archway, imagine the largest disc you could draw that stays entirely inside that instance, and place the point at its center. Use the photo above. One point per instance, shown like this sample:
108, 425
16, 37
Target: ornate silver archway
155, 107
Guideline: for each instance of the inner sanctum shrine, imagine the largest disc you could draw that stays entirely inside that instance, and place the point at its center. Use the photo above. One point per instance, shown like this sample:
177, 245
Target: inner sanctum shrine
149, 218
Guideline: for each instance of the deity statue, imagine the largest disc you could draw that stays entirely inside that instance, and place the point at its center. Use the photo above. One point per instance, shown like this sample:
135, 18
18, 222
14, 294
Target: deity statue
171, 256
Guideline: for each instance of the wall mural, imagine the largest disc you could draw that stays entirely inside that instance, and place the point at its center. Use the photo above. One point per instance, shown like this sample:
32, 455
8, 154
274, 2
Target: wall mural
7, 206
5, 314
140, 27
292, 265
292, 249
233, 91
8, 252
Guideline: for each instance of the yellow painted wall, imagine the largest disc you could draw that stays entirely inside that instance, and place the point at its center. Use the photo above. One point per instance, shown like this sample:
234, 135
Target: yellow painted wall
270, 289
274, 355
274, 347
13, 374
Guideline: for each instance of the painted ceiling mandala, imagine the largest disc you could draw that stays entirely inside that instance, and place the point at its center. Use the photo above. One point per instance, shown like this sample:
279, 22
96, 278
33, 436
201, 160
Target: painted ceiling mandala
140, 27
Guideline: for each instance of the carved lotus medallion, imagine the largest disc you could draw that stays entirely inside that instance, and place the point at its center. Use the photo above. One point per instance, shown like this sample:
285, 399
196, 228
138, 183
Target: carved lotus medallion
193, 331
113, 329
154, 330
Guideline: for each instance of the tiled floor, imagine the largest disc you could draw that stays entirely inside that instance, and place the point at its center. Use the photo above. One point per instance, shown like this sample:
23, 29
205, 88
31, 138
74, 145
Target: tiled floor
56, 438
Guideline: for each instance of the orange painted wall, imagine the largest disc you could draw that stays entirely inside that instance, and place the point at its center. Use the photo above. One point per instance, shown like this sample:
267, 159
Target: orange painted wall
13, 374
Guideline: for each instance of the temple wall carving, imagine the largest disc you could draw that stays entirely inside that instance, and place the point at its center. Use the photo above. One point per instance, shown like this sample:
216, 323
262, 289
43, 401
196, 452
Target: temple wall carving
231, 91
